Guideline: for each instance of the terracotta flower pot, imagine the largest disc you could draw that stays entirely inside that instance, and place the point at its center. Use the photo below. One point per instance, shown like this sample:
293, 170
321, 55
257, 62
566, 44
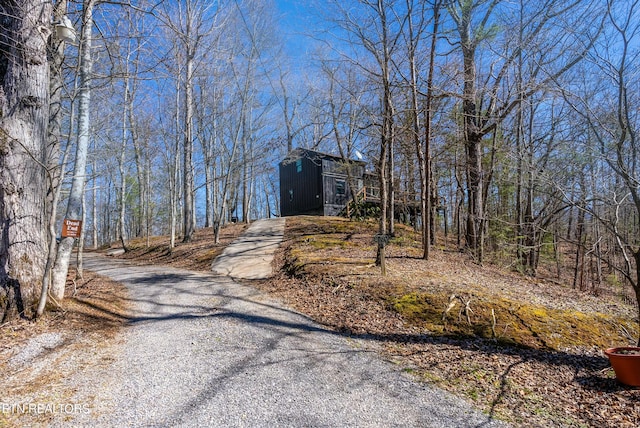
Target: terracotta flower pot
626, 363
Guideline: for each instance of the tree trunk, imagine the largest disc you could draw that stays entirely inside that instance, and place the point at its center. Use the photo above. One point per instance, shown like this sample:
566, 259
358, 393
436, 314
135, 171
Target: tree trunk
266, 195
391, 173
474, 193
141, 171
252, 182
74, 207
519, 137
386, 141
188, 196
174, 173
557, 253
148, 211
190, 41
578, 273
123, 177
428, 234
472, 134
459, 201
94, 210
220, 217
422, 149
53, 245
55, 168
208, 192
246, 158
207, 143
24, 117
636, 287
529, 232
80, 258
56, 85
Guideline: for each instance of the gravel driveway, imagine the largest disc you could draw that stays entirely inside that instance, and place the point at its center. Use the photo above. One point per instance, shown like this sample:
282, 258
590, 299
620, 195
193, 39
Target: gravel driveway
206, 350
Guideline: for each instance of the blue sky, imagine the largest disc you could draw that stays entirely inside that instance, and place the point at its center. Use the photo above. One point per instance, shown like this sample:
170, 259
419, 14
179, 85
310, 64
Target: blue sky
294, 14
298, 20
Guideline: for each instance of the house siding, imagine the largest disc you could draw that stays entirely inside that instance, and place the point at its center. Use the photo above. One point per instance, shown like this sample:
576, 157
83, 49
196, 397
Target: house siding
313, 183
300, 188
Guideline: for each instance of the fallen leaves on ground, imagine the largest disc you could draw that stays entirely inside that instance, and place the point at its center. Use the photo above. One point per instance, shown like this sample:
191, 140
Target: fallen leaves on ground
335, 281
87, 324
326, 270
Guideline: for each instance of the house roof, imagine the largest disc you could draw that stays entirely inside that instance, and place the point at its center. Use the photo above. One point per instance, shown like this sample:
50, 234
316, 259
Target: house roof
313, 155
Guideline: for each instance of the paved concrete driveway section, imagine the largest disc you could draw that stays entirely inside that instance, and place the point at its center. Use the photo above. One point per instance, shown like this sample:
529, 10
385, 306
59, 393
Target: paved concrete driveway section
250, 256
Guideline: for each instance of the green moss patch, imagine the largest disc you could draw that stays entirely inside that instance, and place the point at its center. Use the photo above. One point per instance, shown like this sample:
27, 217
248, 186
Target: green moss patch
508, 321
449, 295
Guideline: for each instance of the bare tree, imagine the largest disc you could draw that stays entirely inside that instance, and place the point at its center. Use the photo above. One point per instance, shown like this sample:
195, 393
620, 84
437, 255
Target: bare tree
24, 117
191, 21
614, 127
74, 205
373, 30
485, 102
423, 145
290, 108
344, 99
56, 167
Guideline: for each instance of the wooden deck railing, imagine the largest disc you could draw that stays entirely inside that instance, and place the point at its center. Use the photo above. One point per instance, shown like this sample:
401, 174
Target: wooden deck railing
372, 194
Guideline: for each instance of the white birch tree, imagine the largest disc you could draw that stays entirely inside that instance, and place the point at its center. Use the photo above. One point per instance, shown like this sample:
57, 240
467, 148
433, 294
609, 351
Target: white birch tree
74, 204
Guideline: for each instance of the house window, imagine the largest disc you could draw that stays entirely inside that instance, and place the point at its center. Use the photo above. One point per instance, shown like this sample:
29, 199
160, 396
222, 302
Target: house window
341, 187
299, 165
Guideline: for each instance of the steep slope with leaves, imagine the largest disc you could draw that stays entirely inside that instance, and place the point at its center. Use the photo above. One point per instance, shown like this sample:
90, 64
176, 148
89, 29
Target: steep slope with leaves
523, 349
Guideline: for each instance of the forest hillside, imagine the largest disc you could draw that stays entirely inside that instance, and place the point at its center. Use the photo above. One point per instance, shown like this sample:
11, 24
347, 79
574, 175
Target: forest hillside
525, 349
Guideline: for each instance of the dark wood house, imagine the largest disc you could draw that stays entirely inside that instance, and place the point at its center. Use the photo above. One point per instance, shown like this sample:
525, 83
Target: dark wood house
315, 183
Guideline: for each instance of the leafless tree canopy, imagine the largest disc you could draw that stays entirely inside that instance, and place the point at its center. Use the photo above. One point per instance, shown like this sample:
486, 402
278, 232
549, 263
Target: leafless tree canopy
506, 129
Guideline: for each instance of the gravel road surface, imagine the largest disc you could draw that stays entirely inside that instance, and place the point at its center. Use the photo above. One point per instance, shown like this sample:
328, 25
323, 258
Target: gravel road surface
206, 350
